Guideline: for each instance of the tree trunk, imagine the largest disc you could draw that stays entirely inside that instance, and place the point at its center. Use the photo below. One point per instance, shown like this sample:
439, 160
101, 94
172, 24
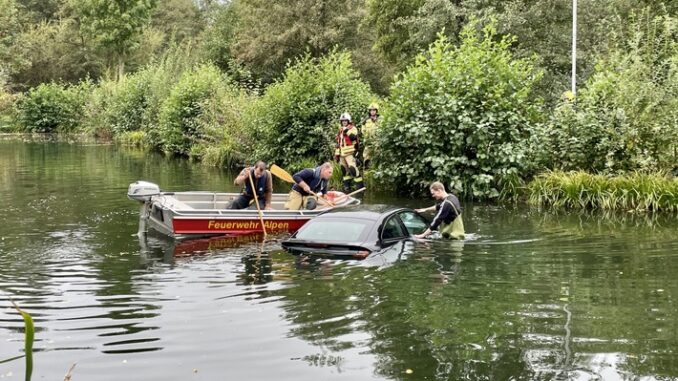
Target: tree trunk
121, 67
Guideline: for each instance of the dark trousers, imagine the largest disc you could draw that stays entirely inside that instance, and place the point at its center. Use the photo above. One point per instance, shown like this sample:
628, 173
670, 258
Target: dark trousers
243, 201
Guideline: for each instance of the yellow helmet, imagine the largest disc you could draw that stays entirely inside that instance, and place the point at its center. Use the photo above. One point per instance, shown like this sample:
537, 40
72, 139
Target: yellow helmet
373, 106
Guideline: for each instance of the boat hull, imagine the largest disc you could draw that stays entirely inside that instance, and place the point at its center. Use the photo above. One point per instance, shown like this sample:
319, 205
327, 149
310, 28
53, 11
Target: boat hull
225, 225
201, 214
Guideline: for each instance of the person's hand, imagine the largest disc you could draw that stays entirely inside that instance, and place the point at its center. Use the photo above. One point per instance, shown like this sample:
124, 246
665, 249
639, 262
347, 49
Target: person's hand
268, 207
306, 188
423, 235
420, 210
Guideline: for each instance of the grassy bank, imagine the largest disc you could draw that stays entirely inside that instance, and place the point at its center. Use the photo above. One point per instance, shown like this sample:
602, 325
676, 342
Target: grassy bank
581, 190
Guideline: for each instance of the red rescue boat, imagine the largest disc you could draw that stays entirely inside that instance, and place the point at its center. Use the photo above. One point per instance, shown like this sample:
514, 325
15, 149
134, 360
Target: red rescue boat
196, 214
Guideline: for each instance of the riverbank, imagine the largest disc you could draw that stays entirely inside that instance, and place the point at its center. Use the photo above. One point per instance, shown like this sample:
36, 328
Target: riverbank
632, 192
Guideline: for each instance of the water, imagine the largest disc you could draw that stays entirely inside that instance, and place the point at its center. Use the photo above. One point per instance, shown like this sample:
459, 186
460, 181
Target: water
532, 295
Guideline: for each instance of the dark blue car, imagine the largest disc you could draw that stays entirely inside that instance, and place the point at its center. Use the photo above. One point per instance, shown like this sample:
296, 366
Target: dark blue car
356, 231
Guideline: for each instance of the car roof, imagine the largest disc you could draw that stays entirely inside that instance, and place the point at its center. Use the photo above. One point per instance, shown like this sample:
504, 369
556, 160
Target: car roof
369, 212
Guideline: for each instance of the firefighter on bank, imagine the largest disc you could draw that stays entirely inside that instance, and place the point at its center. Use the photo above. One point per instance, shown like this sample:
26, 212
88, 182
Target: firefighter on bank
344, 154
369, 130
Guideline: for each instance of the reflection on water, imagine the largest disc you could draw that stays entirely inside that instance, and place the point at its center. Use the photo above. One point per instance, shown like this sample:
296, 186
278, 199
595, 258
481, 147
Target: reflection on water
531, 295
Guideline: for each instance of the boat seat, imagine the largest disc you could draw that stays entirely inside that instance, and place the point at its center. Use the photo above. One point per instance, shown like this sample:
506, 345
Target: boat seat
173, 203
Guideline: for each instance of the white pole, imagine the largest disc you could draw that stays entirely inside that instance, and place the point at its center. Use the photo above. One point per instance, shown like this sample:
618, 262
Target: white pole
574, 47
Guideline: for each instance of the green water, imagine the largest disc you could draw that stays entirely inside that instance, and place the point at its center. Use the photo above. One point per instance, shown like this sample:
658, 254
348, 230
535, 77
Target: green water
532, 295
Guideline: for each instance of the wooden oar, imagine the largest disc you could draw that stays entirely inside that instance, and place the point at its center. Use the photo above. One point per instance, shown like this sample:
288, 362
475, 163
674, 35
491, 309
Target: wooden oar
285, 176
355, 192
256, 202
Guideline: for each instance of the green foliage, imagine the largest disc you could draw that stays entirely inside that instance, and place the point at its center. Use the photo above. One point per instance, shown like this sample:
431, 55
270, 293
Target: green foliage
297, 117
179, 124
225, 139
132, 138
633, 191
52, 107
177, 19
626, 115
53, 51
543, 28
9, 29
133, 101
388, 21
268, 35
461, 116
114, 25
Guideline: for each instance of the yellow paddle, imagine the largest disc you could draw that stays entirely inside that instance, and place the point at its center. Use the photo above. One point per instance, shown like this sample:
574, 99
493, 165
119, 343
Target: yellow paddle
285, 176
281, 173
256, 202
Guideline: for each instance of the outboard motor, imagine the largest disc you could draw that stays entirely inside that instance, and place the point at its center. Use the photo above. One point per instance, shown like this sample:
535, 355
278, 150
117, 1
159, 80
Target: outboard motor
142, 191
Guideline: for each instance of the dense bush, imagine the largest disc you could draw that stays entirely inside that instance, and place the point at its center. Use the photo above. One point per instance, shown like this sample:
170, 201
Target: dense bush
52, 107
225, 139
297, 117
178, 122
626, 116
460, 115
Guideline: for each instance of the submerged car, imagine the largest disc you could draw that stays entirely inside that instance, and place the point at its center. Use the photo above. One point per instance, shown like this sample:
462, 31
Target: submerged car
355, 231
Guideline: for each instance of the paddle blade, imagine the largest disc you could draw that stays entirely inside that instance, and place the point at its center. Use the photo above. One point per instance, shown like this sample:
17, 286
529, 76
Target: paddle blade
281, 173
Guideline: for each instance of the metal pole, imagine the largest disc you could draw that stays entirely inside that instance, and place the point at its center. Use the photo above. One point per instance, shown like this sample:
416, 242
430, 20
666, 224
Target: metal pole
574, 47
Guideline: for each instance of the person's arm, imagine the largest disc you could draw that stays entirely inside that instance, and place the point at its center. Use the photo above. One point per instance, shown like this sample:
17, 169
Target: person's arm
299, 179
423, 210
242, 177
445, 210
352, 133
268, 192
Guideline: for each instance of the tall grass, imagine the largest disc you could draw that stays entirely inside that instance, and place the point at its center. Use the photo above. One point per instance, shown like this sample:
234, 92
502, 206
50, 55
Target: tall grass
633, 191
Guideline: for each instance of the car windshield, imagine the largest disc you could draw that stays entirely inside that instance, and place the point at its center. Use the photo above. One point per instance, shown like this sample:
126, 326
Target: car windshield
335, 230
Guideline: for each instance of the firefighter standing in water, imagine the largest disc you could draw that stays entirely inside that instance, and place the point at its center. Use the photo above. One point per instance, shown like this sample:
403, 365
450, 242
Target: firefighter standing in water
344, 154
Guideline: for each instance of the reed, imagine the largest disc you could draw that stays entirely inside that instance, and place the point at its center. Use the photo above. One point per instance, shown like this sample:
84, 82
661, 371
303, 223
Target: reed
632, 192
28, 342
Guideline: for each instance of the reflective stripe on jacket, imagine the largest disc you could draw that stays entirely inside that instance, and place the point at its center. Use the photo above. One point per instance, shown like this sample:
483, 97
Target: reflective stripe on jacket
346, 141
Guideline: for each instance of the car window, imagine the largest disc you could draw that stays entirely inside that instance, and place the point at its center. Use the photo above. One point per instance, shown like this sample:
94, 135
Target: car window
334, 230
414, 223
392, 229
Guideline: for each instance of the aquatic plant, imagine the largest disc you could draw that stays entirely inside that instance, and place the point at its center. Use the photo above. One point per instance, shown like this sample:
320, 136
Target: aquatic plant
28, 342
634, 191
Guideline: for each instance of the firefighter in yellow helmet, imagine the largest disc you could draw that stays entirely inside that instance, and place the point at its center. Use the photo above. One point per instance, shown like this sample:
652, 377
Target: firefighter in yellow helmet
345, 151
368, 133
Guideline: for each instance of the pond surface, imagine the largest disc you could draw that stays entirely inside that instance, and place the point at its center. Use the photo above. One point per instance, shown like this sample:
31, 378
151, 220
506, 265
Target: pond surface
533, 295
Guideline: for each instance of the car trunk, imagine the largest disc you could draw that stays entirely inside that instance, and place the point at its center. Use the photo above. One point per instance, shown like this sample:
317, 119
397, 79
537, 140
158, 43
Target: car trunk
326, 249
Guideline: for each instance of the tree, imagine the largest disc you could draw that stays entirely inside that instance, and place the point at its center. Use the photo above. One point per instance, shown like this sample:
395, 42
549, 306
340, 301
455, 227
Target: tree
9, 27
177, 19
269, 34
114, 25
626, 115
53, 51
403, 29
460, 115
